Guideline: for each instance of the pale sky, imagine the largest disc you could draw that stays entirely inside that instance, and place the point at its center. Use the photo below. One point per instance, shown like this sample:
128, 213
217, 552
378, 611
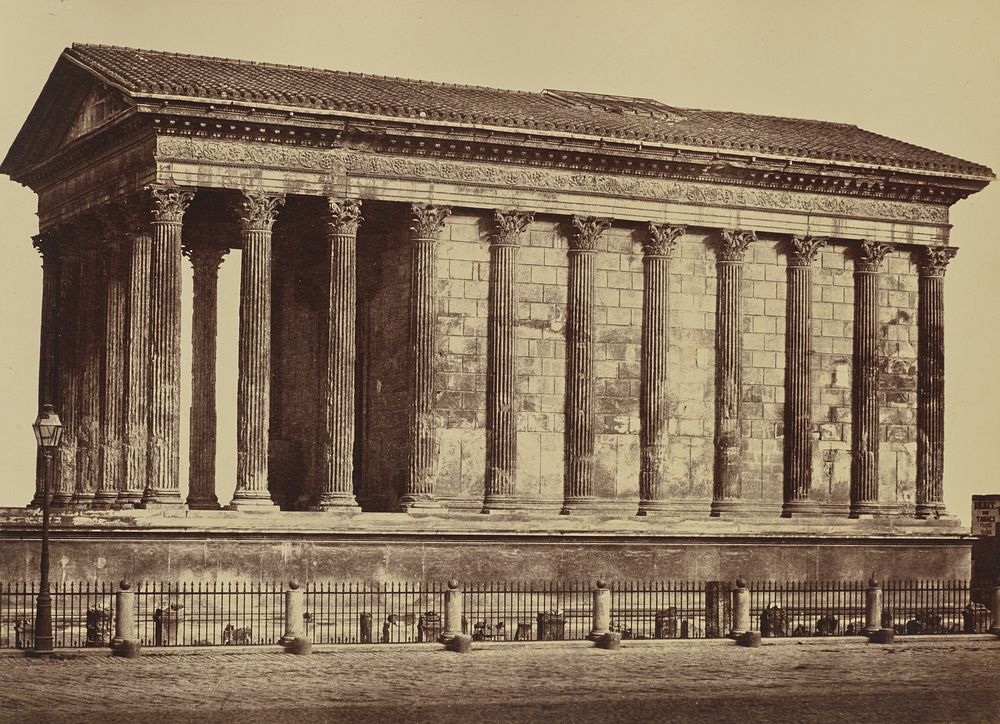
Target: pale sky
920, 71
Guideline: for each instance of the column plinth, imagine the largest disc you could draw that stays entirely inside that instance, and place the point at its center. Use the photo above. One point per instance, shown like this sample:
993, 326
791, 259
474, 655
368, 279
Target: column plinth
654, 368
418, 492
864, 399
253, 387
163, 459
798, 388
113, 377
206, 256
138, 250
501, 364
727, 484
47, 245
930, 382
580, 431
337, 443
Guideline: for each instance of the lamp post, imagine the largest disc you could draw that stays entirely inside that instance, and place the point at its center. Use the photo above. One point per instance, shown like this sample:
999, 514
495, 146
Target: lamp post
48, 432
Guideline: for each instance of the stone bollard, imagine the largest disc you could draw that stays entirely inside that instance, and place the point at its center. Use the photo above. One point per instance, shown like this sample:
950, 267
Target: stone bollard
750, 639
124, 643
601, 619
741, 609
610, 641
995, 610
294, 639
873, 606
452, 616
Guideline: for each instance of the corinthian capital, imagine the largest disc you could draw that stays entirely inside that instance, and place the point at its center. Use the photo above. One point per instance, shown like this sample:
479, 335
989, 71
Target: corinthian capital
804, 249
428, 220
871, 255
662, 239
46, 243
585, 231
258, 210
345, 216
169, 203
934, 260
509, 225
733, 244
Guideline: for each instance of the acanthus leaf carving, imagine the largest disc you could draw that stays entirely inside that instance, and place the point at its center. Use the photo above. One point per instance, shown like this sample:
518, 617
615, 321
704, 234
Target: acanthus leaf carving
585, 232
170, 203
345, 216
428, 220
510, 224
934, 260
259, 210
733, 244
662, 239
804, 249
871, 256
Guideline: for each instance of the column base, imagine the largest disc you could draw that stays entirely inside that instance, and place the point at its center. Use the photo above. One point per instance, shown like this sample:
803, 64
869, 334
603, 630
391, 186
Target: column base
255, 503
800, 508
128, 500
203, 503
931, 511
61, 500
501, 504
865, 510
656, 508
345, 503
82, 501
104, 501
161, 499
584, 505
419, 501
727, 508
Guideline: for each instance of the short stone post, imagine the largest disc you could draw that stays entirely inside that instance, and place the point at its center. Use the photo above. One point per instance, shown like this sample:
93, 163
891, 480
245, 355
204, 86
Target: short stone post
995, 610
452, 637
124, 643
741, 609
294, 639
601, 611
873, 607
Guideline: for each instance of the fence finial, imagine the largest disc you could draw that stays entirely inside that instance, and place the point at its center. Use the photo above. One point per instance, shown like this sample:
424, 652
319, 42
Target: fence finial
293, 584
124, 585
873, 581
453, 584
601, 583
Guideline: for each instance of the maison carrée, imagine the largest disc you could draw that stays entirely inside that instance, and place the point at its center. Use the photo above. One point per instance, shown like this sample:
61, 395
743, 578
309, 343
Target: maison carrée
482, 334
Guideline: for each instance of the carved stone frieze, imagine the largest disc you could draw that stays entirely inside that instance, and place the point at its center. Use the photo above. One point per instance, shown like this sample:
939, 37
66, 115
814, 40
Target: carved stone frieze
662, 239
232, 153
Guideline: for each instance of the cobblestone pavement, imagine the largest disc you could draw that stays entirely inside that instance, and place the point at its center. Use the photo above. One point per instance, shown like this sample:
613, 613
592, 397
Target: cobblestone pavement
796, 681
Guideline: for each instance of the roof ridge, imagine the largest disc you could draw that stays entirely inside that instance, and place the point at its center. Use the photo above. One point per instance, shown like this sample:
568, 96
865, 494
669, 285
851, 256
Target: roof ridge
288, 66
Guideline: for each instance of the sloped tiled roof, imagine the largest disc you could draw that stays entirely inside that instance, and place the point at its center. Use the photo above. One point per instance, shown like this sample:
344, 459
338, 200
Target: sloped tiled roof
145, 73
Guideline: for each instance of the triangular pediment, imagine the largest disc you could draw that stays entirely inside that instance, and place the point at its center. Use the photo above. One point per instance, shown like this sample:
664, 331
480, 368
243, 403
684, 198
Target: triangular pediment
73, 104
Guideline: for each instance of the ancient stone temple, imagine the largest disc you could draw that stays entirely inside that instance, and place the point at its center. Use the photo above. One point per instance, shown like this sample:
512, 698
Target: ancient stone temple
713, 342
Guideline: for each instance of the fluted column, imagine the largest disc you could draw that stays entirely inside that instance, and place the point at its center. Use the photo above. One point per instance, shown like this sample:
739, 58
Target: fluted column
138, 251
428, 221
864, 402
654, 366
501, 363
253, 385
67, 354
337, 443
205, 255
163, 463
727, 487
113, 375
90, 343
930, 381
47, 245
580, 431
798, 395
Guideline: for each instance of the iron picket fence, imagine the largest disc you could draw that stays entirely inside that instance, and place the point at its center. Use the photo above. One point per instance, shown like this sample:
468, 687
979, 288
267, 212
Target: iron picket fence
245, 614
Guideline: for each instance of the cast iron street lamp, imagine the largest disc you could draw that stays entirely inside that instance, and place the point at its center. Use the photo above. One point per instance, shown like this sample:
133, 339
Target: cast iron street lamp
48, 432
